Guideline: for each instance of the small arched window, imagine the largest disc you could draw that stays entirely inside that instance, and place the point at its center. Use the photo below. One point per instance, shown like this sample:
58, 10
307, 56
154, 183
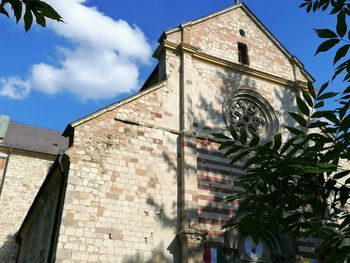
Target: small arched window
243, 54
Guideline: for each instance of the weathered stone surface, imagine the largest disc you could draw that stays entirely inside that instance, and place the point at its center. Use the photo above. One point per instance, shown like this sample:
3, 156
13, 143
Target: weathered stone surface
23, 178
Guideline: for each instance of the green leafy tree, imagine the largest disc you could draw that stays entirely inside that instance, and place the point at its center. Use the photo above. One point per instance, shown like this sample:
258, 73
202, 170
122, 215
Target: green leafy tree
29, 9
301, 184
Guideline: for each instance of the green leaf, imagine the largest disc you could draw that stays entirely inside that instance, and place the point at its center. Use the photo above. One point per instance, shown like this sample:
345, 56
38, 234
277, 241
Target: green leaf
17, 9
3, 11
233, 132
239, 156
345, 123
28, 19
319, 105
318, 124
347, 90
325, 33
341, 174
336, 9
308, 9
221, 136
311, 89
225, 145
344, 194
303, 4
341, 53
233, 149
295, 130
319, 138
277, 141
289, 143
327, 45
341, 24
345, 222
329, 115
330, 184
327, 95
234, 197
298, 118
243, 137
40, 19
308, 98
303, 107
48, 11
254, 141
323, 88
343, 110
292, 218
338, 71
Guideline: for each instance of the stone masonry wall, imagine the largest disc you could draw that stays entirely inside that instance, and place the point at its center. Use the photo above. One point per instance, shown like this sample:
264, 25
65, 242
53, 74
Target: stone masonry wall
209, 87
122, 195
219, 36
121, 199
23, 179
214, 85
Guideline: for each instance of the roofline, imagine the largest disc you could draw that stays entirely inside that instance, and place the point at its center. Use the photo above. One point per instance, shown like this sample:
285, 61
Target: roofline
260, 25
203, 18
26, 152
113, 106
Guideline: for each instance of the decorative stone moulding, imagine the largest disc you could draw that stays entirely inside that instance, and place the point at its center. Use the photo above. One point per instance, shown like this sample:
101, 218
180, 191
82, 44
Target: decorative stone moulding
192, 236
247, 110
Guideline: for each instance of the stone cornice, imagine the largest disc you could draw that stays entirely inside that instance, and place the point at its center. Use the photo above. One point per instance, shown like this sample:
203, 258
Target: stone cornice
210, 59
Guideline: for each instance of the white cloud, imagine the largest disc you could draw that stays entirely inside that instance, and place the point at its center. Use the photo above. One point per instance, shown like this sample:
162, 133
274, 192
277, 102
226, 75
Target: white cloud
101, 65
14, 88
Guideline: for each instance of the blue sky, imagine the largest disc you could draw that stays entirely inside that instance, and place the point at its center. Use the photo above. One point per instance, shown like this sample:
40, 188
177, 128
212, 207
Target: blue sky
112, 41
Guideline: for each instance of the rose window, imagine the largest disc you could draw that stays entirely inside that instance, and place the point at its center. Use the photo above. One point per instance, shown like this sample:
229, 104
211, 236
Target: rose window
250, 112
248, 117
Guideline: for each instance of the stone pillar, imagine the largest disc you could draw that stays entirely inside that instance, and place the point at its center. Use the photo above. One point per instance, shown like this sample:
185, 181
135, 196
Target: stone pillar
191, 238
192, 241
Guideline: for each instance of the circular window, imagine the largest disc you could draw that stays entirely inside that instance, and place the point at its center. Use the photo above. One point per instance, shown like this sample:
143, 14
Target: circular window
248, 111
242, 32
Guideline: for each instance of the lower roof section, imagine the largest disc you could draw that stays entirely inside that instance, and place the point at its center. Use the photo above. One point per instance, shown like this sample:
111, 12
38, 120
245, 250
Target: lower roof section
36, 139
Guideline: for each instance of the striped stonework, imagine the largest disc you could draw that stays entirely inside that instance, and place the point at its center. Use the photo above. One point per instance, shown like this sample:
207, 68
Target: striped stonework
215, 182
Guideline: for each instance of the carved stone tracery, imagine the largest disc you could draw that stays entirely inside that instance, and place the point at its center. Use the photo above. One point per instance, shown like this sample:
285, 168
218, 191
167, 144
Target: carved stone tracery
249, 111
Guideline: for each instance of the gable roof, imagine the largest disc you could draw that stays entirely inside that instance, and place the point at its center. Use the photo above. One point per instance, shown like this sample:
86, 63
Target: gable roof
257, 22
35, 139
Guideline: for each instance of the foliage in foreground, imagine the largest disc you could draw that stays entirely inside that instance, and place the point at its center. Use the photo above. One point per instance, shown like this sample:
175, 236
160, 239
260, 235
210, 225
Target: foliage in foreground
32, 9
300, 184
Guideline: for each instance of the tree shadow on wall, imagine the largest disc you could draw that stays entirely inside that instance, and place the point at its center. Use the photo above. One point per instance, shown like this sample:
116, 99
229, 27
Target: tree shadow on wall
9, 250
207, 119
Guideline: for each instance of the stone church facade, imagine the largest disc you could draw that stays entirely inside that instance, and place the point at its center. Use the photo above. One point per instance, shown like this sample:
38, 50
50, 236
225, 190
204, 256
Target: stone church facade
142, 180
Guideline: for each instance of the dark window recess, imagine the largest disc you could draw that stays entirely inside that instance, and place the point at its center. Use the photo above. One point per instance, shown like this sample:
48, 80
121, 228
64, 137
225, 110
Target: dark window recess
243, 54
